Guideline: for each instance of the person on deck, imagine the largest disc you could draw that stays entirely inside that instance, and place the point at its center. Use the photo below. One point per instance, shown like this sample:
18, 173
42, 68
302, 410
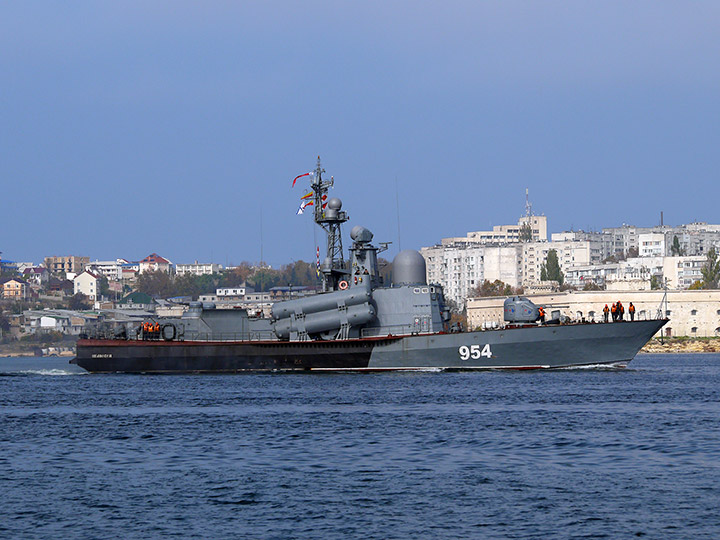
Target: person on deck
606, 311
631, 311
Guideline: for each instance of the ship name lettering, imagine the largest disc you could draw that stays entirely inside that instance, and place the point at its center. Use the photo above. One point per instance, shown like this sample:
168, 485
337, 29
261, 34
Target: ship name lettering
474, 352
102, 355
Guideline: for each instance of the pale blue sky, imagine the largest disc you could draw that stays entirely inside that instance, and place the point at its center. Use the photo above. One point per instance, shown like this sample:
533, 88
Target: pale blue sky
133, 127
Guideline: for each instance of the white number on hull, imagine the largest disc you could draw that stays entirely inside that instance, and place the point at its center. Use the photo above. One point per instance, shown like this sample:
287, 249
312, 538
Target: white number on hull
474, 352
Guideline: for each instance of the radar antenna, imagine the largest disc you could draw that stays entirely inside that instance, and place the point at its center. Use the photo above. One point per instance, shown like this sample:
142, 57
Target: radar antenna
329, 216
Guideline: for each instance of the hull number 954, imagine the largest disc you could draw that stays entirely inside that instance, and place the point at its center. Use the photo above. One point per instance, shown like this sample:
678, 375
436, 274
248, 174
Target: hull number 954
474, 352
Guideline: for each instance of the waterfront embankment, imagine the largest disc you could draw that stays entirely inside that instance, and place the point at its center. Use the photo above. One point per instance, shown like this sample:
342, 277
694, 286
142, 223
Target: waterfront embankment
682, 345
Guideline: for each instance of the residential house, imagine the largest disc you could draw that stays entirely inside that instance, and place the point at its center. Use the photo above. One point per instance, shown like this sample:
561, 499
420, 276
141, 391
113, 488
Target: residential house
197, 269
88, 284
36, 275
137, 301
155, 263
15, 288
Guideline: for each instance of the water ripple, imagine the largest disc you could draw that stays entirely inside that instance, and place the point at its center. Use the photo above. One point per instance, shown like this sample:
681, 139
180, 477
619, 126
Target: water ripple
554, 454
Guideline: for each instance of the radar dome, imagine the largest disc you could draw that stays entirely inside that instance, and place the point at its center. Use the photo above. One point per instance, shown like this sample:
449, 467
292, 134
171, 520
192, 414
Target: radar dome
409, 268
361, 234
334, 203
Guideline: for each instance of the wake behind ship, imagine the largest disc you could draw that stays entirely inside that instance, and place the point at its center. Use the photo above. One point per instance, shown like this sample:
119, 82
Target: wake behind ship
357, 323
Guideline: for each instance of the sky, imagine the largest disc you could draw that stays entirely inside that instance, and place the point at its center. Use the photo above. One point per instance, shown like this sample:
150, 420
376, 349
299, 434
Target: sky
177, 127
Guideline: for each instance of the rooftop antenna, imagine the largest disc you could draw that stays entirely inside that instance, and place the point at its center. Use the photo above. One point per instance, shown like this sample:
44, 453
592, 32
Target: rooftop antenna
528, 204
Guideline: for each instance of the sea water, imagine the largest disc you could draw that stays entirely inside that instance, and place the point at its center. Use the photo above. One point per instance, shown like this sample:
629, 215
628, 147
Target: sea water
595, 453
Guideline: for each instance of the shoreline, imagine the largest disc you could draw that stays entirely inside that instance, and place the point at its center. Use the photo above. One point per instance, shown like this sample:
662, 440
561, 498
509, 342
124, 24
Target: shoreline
682, 346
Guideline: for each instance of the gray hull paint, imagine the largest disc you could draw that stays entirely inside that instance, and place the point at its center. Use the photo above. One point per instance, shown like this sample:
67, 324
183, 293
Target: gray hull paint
530, 347
518, 348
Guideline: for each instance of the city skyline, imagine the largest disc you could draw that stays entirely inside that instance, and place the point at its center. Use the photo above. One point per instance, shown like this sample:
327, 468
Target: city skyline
177, 128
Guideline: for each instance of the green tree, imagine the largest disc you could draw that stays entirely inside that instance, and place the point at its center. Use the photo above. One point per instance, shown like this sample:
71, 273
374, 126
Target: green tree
157, 284
592, 286
265, 279
525, 232
676, 249
78, 301
236, 276
494, 288
711, 270
104, 287
4, 323
655, 282
550, 269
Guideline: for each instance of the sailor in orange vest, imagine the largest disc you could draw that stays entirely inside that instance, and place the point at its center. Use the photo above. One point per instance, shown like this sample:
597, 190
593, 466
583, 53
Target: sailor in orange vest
156, 329
620, 310
541, 312
631, 311
606, 311
613, 312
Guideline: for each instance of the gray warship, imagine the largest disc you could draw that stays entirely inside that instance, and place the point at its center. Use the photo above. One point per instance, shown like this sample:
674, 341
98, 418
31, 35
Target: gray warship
357, 323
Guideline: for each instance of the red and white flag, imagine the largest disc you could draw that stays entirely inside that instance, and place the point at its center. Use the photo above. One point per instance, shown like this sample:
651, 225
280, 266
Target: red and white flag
300, 176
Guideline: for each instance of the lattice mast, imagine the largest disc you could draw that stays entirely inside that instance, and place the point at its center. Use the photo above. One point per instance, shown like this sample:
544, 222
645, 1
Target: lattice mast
329, 216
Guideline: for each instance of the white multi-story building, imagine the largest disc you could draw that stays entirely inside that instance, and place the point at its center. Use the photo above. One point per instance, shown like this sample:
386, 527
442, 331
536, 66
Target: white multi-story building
197, 269
651, 244
678, 272
463, 267
570, 253
233, 292
503, 234
110, 269
458, 268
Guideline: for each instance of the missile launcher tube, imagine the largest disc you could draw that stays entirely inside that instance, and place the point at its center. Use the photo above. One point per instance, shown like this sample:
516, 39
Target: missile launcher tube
321, 302
325, 321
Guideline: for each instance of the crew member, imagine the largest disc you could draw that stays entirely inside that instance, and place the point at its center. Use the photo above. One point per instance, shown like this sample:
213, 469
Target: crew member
631, 311
156, 329
541, 311
620, 310
606, 311
613, 312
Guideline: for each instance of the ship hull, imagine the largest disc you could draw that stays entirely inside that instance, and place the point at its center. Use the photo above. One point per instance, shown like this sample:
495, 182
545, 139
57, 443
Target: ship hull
531, 347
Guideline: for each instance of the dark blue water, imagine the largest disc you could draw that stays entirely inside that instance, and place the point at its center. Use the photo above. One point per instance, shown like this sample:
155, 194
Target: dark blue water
556, 454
